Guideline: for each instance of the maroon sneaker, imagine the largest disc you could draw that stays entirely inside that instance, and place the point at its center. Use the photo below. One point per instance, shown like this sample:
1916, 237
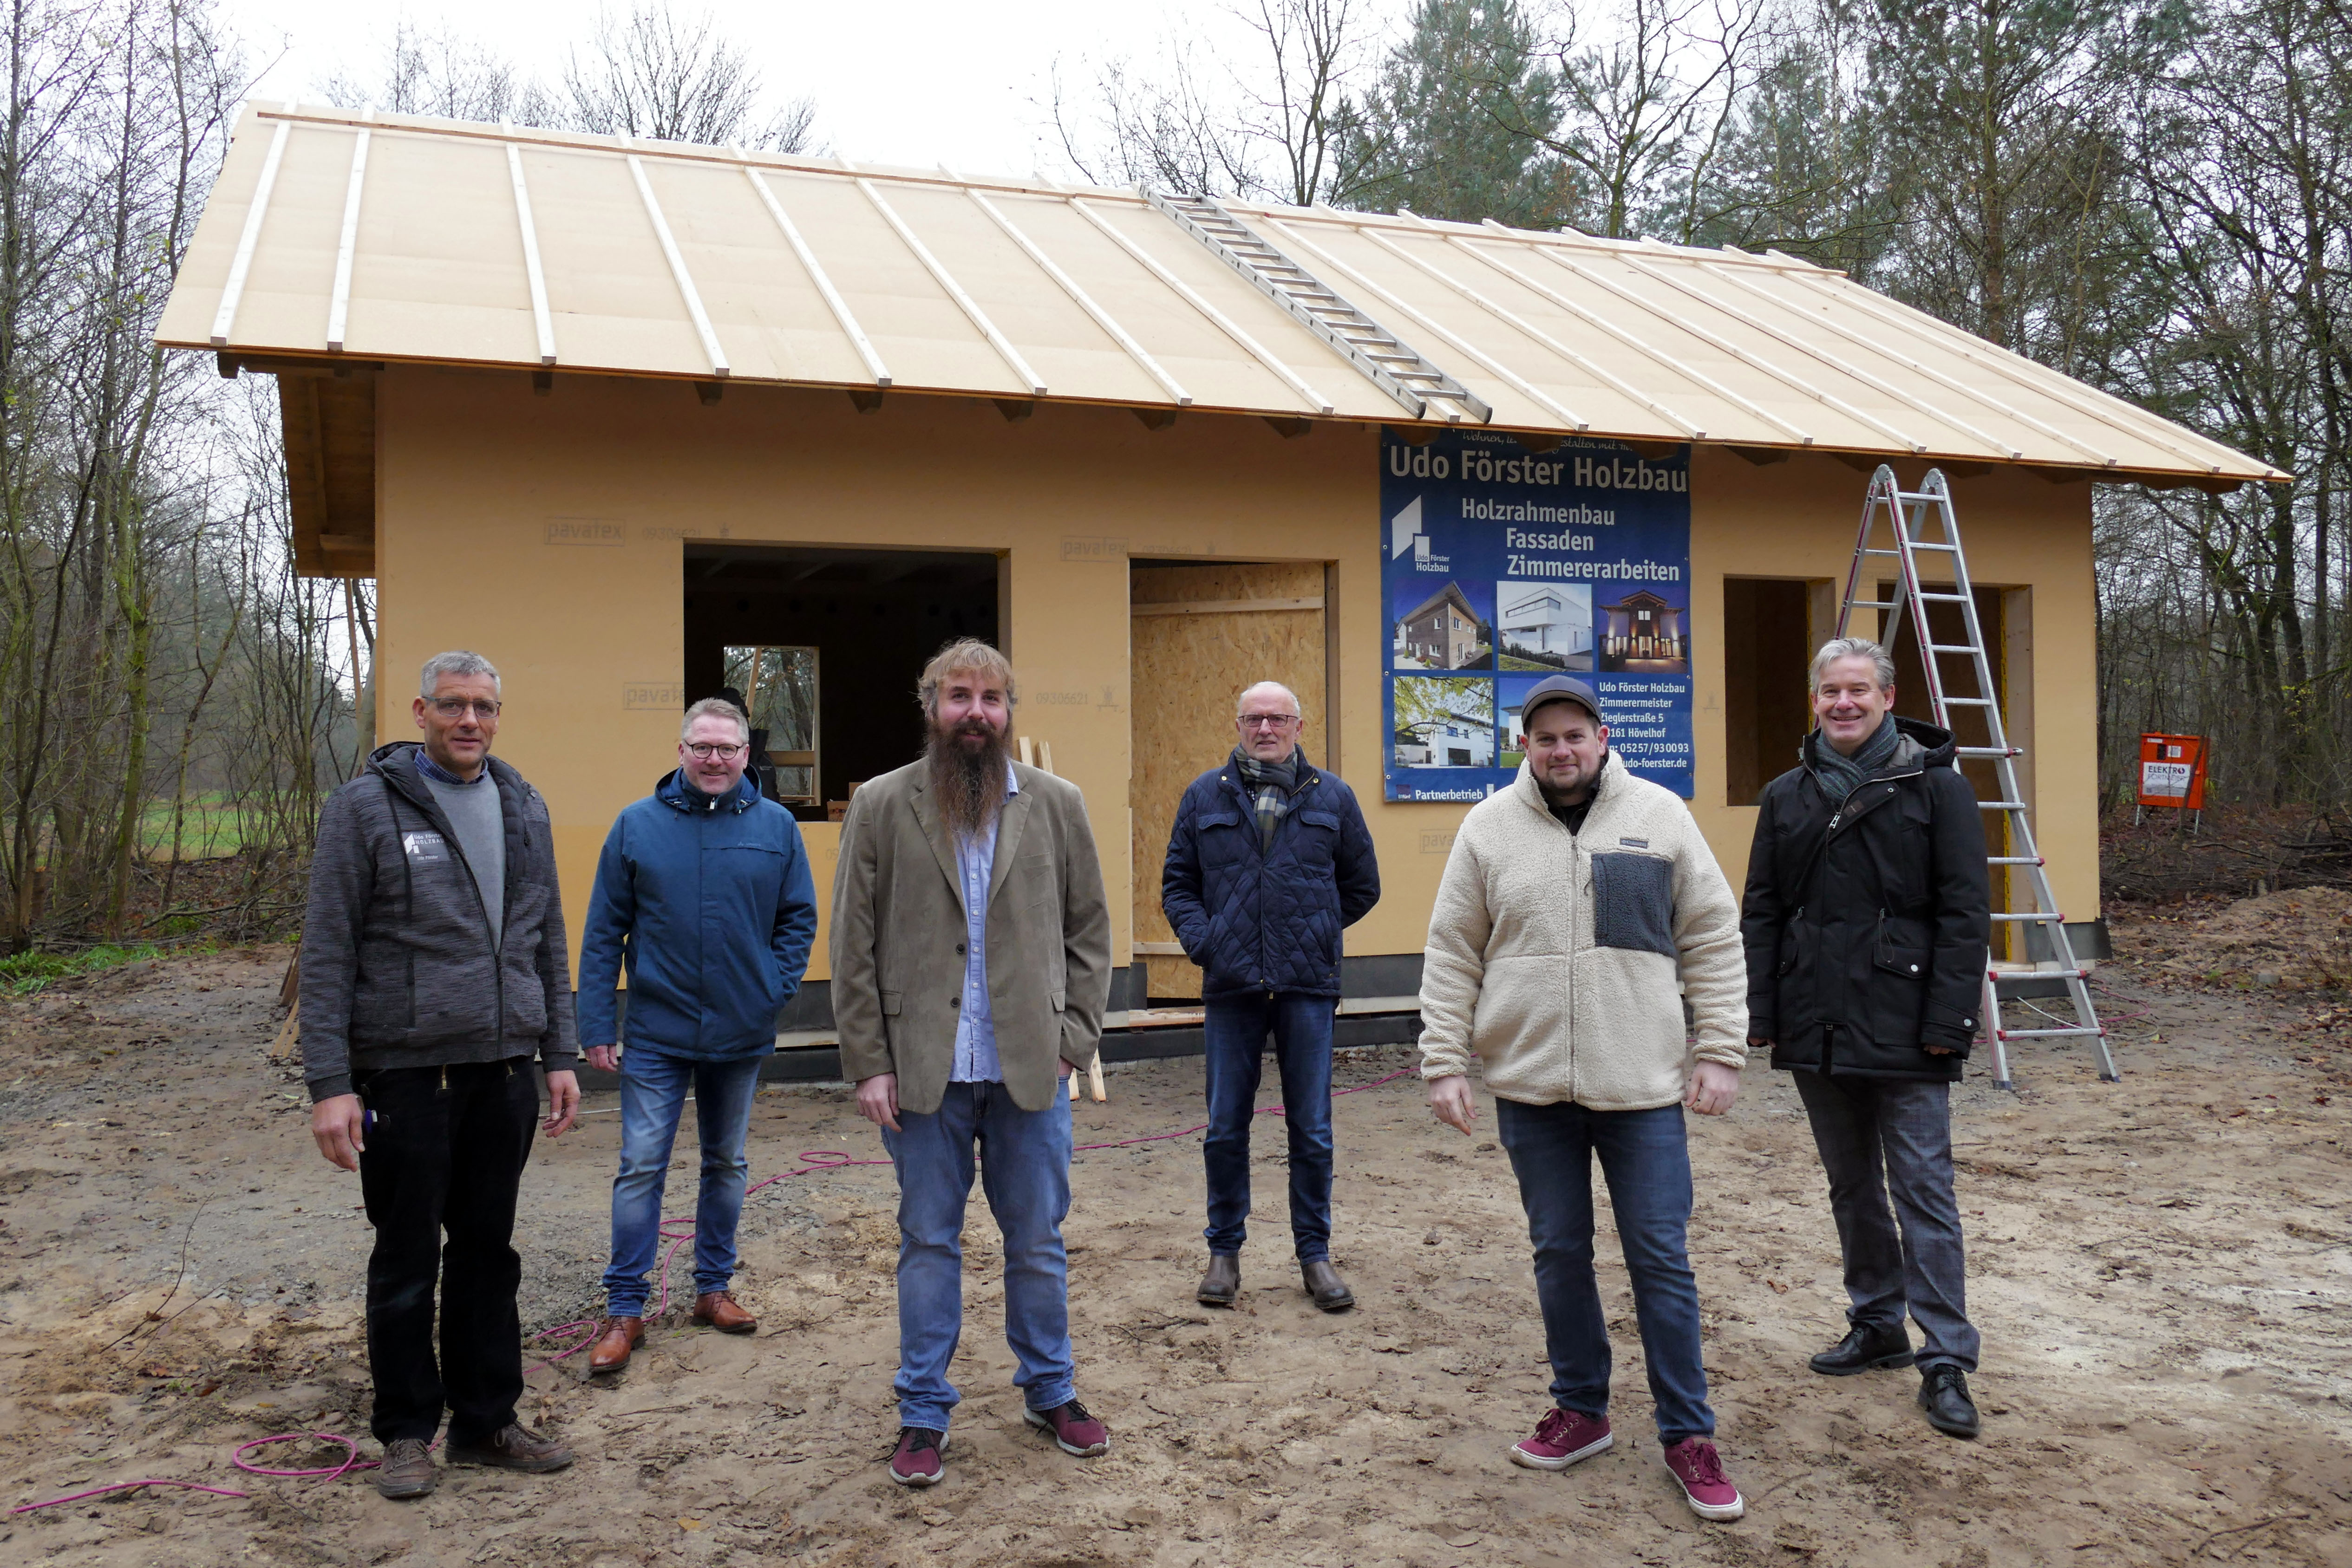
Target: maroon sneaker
1073, 1430
1562, 1438
917, 1463
1700, 1474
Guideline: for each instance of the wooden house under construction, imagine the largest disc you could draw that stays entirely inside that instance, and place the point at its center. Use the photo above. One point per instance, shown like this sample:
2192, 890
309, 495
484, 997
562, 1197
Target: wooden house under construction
639, 420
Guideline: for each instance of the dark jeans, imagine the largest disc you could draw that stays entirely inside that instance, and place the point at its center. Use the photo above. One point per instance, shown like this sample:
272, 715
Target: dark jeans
1878, 1135
444, 1154
1236, 1031
1647, 1163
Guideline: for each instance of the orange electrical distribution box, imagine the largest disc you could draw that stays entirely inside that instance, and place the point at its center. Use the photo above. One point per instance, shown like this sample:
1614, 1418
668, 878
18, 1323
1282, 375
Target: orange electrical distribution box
2172, 772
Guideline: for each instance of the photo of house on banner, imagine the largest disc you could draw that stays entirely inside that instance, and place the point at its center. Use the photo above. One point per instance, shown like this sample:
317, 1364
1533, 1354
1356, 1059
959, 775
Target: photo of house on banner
1544, 625
1443, 723
1448, 630
1511, 692
1644, 635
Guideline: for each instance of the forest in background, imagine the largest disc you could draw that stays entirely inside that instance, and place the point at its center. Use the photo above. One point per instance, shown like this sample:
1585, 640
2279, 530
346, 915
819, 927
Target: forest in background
2153, 195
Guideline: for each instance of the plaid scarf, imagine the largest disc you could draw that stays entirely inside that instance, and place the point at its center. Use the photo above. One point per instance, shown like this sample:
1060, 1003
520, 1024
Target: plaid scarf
1269, 784
1838, 775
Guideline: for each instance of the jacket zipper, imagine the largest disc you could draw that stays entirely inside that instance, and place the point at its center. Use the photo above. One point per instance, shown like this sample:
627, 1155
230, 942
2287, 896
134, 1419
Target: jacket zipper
1264, 852
1575, 882
498, 969
1829, 1031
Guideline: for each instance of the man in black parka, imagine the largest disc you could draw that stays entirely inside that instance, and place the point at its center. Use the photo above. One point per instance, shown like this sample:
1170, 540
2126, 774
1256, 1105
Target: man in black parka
1866, 918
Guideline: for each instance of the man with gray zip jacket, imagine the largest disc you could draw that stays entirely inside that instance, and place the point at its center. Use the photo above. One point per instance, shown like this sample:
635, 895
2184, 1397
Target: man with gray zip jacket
432, 972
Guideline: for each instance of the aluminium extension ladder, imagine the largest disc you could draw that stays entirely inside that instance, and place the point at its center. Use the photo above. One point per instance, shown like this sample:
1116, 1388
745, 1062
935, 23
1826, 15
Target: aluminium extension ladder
1922, 523
1386, 361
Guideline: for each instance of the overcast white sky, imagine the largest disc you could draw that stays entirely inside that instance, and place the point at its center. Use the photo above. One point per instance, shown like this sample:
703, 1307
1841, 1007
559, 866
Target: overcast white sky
896, 81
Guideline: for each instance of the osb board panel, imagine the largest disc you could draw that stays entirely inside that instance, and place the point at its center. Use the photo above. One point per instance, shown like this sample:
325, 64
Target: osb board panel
1194, 667
1169, 977
1274, 580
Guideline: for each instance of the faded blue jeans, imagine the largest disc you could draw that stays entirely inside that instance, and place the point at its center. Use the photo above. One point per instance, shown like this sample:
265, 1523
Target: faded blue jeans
1236, 1037
653, 1097
1647, 1163
1024, 1169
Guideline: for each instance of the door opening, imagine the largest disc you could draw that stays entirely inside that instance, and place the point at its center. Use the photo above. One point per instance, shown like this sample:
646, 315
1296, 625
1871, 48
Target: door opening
1201, 635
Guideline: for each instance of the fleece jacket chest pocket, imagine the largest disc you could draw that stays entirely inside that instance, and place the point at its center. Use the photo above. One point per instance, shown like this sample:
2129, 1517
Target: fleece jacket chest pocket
1633, 902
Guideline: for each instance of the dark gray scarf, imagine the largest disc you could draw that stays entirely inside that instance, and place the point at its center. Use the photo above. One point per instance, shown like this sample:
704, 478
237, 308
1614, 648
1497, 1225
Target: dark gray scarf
1838, 775
1269, 785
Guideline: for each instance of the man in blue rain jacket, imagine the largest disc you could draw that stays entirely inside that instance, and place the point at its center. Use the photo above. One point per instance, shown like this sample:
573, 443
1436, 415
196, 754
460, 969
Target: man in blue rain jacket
703, 891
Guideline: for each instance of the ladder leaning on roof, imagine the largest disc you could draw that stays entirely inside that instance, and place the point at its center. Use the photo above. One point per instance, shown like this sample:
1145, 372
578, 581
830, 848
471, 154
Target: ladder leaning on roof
1385, 359
1921, 523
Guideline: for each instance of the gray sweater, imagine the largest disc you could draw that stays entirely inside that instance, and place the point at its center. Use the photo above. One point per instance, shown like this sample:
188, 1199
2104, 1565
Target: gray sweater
400, 964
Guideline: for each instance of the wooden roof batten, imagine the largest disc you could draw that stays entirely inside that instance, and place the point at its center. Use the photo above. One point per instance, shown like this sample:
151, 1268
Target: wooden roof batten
1563, 334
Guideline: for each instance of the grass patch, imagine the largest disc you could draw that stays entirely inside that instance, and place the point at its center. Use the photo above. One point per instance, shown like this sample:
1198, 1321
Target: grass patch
24, 974
210, 826
1513, 662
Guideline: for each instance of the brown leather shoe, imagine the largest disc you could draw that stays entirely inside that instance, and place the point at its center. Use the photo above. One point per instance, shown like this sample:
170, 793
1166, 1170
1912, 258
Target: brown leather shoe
514, 1446
718, 1309
620, 1336
407, 1468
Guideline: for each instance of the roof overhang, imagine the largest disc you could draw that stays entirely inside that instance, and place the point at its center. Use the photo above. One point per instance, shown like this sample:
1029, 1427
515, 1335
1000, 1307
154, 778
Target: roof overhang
334, 242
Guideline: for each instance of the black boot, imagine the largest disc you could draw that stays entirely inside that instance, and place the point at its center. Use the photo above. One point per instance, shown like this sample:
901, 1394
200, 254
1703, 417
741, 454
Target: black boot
1222, 1283
1323, 1284
1864, 1349
1944, 1396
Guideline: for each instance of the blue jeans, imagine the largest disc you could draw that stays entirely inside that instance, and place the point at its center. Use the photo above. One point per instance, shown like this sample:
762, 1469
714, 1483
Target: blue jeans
1236, 1031
1024, 1169
1647, 1163
653, 1095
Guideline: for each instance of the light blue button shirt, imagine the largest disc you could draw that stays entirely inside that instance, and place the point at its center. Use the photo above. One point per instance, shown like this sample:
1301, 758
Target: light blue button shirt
975, 1041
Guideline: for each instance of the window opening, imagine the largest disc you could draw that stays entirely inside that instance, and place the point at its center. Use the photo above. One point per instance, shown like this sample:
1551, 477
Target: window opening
780, 692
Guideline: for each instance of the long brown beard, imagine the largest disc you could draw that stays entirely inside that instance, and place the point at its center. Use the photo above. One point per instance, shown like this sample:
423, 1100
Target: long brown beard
968, 784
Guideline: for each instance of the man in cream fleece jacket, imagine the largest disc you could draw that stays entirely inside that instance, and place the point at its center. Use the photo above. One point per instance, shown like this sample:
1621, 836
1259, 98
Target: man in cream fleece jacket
1571, 903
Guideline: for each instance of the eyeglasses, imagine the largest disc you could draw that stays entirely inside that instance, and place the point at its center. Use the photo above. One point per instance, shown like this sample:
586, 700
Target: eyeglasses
704, 750
1268, 720
457, 708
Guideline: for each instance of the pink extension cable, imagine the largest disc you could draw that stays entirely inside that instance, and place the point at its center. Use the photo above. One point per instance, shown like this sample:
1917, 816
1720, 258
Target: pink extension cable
678, 1233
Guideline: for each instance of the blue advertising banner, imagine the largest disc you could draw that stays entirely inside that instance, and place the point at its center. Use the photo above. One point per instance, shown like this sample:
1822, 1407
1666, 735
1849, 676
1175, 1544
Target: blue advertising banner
1506, 566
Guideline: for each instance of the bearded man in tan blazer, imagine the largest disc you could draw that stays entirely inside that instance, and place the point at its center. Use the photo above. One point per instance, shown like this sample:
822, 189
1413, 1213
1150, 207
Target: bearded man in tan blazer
971, 964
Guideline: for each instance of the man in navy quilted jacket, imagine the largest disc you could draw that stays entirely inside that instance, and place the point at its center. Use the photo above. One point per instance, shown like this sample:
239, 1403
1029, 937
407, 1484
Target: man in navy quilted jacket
1268, 863
703, 891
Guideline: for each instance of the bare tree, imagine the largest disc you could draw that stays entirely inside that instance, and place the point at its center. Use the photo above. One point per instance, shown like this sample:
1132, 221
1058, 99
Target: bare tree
650, 72
1647, 105
1167, 132
1279, 123
440, 72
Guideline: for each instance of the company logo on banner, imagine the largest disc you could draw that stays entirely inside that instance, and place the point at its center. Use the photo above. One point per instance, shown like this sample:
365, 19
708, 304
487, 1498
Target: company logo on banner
1504, 566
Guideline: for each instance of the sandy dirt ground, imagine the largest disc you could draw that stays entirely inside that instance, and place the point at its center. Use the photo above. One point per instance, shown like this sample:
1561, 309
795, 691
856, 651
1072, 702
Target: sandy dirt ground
2160, 1268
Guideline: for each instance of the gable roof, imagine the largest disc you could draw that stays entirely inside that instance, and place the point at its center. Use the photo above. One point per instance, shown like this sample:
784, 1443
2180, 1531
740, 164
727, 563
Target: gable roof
339, 234
1452, 591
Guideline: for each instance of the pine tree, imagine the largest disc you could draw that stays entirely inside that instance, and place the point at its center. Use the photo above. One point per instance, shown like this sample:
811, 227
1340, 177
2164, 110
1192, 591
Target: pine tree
1451, 127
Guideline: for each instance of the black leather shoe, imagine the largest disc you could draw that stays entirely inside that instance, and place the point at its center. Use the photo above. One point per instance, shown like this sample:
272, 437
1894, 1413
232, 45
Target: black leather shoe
1944, 1396
1222, 1283
1864, 1349
1323, 1284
